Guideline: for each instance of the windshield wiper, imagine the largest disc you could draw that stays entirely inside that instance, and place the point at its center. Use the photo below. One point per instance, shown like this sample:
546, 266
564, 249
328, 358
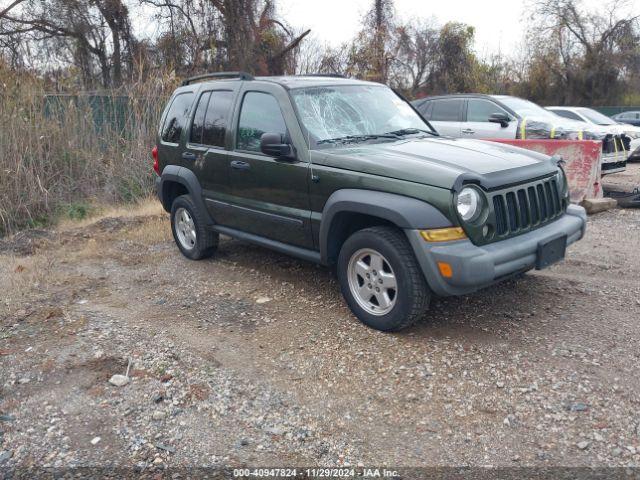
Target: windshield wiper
358, 138
409, 131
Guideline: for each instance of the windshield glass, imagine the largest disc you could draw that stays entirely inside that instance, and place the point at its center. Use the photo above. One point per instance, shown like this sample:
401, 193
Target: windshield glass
335, 115
525, 108
595, 117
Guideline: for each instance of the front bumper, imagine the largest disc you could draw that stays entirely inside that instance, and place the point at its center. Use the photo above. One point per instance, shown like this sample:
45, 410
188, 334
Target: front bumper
614, 162
475, 267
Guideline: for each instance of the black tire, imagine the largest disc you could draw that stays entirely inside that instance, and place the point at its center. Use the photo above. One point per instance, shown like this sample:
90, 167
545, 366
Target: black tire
412, 295
206, 242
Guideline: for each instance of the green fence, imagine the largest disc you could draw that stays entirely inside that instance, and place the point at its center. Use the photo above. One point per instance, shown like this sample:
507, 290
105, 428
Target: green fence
102, 111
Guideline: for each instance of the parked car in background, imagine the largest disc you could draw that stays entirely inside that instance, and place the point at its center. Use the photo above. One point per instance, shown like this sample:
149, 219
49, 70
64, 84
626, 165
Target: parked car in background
501, 116
631, 118
593, 117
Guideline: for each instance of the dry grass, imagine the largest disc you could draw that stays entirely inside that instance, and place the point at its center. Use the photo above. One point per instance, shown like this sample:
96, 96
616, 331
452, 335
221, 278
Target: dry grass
145, 207
22, 273
151, 232
56, 159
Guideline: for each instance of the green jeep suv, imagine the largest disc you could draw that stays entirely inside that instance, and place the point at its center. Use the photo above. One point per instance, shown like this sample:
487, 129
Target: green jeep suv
347, 174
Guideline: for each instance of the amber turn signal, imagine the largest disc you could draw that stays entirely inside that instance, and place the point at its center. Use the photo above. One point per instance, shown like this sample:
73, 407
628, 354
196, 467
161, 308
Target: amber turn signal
445, 269
443, 234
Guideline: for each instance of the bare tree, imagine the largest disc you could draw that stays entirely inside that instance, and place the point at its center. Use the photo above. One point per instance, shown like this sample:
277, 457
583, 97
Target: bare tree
415, 54
592, 49
90, 32
231, 34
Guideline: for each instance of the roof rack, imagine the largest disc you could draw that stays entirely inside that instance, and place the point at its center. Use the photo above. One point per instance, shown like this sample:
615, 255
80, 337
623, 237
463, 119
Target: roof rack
333, 75
197, 78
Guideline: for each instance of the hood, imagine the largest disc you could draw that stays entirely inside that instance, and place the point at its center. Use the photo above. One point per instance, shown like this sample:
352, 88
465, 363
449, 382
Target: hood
440, 161
557, 127
629, 130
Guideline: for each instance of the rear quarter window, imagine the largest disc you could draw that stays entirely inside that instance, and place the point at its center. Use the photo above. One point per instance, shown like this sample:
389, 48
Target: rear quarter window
176, 118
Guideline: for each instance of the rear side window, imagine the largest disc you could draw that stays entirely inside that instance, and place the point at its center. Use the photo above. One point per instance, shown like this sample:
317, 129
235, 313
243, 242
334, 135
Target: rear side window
215, 123
481, 110
447, 110
176, 118
260, 114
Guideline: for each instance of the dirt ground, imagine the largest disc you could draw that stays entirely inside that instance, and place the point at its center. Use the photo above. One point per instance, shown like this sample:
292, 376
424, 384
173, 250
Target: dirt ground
252, 358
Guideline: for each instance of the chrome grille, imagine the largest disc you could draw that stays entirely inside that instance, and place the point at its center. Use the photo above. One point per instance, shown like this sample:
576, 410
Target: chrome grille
520, 209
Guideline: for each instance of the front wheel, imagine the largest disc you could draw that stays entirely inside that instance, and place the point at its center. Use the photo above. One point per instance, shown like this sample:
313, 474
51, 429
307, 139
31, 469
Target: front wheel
381, 280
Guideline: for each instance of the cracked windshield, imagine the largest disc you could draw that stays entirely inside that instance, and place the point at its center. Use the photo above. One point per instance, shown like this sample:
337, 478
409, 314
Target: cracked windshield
347, 114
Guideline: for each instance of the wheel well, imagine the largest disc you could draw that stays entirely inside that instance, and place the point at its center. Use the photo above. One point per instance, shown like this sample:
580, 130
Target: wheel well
343, 225
171, 191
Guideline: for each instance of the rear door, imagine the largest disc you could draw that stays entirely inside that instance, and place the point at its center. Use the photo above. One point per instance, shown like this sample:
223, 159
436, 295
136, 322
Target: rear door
446, 116
477, 124
270, 196
206, 152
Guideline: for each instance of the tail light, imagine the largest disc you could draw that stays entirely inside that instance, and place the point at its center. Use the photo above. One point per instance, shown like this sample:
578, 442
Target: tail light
156, 166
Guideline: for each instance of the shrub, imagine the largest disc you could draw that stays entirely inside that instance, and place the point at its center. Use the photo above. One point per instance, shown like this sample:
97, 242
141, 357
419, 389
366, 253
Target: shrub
58, 151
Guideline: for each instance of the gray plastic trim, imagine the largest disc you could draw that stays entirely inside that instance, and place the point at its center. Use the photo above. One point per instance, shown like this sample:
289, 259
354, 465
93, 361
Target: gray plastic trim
404, 212
184, 176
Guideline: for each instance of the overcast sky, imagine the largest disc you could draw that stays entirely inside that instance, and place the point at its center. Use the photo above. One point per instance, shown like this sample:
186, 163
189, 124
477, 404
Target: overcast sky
499, 23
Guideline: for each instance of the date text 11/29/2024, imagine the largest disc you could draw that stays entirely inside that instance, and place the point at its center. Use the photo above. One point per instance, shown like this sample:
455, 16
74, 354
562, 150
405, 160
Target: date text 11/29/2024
314, 473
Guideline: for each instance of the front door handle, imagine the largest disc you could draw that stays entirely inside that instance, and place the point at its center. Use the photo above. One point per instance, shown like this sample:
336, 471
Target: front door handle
240, 165
188, 156
468, 131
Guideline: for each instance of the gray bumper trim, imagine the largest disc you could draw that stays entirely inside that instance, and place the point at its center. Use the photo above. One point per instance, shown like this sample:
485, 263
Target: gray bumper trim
475, 267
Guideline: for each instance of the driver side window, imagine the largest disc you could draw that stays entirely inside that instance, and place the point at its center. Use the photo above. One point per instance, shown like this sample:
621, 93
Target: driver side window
480, 110
260, 114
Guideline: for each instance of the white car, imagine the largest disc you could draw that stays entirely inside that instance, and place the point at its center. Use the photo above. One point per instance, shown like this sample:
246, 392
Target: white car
473, 115
593, 117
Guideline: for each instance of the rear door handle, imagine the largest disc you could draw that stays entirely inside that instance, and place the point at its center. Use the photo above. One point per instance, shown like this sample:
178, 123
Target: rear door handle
188, 156
468, 131
239, 165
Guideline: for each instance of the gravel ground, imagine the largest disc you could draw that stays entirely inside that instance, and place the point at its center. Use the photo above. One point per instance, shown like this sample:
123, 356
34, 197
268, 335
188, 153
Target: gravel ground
252, 358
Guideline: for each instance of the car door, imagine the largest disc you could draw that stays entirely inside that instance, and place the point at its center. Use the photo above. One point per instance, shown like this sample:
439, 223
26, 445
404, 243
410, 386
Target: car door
446, 116
205, 151
477, 124
270, 196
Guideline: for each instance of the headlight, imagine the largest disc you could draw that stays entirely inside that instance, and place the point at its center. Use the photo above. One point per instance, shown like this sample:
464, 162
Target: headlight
469, 204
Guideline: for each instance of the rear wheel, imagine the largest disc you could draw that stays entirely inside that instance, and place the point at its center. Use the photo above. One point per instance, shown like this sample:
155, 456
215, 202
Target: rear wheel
381, 279
190, 232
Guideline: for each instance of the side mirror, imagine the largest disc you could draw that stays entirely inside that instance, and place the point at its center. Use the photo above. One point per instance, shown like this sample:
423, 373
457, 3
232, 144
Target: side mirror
276, 145
501, 118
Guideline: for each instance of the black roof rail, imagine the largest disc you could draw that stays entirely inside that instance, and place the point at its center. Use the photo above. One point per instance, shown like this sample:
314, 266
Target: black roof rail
197, 78
333, 75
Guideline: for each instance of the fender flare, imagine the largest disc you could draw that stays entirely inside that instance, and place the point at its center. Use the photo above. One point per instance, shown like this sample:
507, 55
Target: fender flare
404, 212
184, 176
